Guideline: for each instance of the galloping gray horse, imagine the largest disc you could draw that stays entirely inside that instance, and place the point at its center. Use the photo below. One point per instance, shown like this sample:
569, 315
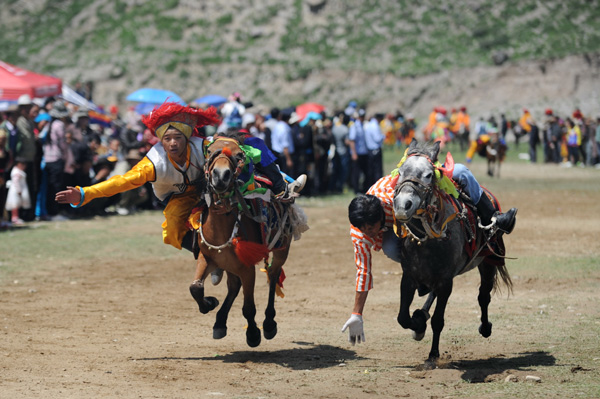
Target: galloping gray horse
441, 239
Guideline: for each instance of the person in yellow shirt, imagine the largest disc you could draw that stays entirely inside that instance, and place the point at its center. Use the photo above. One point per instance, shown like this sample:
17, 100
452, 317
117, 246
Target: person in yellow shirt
453, 122
174, 166
525, 121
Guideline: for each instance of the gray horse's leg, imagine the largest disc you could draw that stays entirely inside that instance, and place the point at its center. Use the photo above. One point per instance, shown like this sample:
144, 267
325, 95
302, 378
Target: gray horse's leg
418, 322
437, 322
233, 289
488, 276
407, 294
420, 317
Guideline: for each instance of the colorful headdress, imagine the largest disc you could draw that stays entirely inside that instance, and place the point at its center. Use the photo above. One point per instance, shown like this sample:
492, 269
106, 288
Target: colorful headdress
185, 119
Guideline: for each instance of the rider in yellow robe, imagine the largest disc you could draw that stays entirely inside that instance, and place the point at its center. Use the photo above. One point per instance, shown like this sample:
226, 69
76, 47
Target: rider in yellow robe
174, 166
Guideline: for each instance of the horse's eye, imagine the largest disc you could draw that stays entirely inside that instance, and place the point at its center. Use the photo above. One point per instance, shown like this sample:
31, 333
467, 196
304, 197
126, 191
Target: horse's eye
428, 175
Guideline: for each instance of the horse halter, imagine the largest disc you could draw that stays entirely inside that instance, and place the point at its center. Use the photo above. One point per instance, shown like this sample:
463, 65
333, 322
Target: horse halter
227, 154
428, 210
422, 189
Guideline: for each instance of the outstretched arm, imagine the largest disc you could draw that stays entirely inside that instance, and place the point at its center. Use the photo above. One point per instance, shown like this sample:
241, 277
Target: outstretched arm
141, 173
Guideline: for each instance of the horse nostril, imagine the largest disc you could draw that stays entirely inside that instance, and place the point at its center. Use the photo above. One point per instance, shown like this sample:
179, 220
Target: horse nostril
408, 205
227, 175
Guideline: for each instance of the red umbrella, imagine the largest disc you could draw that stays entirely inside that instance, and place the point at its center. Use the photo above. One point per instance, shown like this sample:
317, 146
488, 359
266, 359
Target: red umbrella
15, 81
303, 109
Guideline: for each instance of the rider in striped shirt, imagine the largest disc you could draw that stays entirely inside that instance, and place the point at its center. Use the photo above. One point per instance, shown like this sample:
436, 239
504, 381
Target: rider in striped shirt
371, 218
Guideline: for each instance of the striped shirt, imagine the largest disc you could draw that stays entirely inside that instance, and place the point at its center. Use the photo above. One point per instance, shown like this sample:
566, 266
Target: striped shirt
363, 244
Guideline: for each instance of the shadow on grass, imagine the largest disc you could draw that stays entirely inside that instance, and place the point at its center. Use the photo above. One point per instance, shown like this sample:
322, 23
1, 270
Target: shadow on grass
309, 357
475, 371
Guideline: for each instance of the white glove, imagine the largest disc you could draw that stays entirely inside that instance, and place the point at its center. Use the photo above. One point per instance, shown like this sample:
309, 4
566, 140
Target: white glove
356, 332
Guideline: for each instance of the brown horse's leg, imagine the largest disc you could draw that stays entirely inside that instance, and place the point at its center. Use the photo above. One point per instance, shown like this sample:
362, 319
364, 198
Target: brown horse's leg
490, 171
488, 275
248, 277
274, 271
205, 304
437, 322
233, 289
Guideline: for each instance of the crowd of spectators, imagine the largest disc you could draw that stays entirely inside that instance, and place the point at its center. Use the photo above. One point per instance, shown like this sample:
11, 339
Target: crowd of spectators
54, 145
46, 146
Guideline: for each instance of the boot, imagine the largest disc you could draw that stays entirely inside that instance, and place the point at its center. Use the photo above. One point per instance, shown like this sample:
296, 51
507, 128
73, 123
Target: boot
504, 221
298, 184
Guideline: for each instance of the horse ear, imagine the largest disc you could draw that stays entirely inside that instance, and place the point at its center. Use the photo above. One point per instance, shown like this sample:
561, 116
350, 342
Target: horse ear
413, 144
434, 151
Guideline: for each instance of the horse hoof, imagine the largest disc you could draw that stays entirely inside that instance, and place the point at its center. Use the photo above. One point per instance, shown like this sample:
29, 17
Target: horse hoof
421, 314
485, 330
210, 302
430, 364
271, 331
253, 337
219, 333
417, 336
197, 291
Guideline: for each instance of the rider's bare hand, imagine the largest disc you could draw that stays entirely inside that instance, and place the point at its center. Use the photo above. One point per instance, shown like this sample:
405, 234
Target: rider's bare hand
71, 195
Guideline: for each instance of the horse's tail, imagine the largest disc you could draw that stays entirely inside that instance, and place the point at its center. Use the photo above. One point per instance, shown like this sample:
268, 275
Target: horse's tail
503, 276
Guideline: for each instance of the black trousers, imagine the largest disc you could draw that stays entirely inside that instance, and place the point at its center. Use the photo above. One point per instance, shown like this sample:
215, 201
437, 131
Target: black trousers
55, 173
375, 167
360, 168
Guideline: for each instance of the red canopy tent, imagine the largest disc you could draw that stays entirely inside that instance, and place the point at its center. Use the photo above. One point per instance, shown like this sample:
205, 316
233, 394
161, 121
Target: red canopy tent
15, 81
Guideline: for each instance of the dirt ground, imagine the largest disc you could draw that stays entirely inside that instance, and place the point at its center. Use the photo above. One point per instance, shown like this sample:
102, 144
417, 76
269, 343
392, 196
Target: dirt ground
104, 324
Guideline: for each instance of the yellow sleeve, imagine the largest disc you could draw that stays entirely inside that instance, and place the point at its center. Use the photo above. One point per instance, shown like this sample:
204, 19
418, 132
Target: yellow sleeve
140, 174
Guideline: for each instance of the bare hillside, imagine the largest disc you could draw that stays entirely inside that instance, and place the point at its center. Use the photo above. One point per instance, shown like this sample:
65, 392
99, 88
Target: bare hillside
389, 54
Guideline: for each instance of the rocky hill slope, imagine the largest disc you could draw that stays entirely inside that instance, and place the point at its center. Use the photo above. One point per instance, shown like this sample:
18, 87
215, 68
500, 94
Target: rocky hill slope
390, 54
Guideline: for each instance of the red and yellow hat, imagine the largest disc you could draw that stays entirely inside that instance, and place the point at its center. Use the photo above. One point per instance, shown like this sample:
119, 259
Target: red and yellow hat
185, 119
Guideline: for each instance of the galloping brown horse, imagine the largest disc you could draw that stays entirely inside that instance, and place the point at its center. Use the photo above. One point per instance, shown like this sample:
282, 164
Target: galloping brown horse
230, 238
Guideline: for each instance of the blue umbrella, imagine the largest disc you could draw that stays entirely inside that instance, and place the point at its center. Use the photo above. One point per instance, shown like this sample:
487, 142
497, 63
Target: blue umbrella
309, 116
211, 99
154, 96
144, 108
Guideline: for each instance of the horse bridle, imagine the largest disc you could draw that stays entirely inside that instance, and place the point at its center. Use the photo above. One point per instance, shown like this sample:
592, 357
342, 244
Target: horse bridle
422, 189
236, 166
